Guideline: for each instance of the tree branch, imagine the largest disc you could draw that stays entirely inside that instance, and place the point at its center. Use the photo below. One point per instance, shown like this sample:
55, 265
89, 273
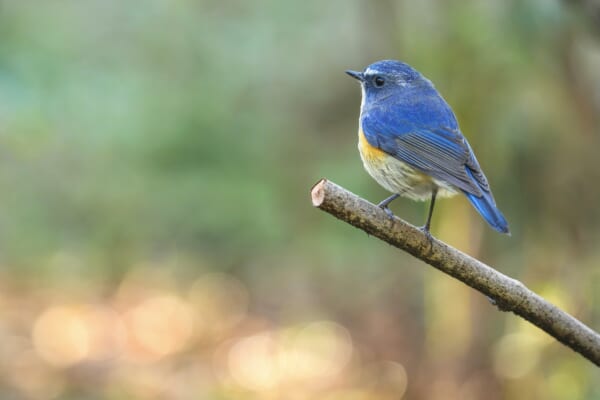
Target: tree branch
508, 294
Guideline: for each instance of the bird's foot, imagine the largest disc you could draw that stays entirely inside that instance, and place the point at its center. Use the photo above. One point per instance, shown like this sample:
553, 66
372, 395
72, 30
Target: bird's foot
429, 236
386, 209
385, 203
425, 230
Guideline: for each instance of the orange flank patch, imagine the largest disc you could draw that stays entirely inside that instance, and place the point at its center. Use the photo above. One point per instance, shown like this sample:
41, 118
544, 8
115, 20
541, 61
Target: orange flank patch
369, 152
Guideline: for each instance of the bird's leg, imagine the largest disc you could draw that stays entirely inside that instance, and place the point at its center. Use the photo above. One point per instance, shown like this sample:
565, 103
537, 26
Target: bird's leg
427, 225
384, 204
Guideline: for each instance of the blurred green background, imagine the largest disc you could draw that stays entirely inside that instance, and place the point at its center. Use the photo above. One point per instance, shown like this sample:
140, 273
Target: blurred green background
156, 235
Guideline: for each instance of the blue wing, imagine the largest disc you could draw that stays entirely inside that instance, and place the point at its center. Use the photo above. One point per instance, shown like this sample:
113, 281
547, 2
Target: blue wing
440, 151
428, 139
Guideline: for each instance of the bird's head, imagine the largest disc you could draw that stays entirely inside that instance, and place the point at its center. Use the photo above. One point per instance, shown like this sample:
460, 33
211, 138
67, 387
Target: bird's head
386, 78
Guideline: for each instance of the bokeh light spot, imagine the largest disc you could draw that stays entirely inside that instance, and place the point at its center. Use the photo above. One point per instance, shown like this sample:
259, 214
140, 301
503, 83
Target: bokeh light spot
253, 362
219, 301
61, 337
160, 325
317, 351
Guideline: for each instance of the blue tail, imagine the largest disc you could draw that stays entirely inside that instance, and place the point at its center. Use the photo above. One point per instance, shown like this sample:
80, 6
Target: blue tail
486, 206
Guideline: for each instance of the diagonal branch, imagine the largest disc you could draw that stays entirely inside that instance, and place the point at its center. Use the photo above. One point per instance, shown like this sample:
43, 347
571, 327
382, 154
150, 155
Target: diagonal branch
508, 294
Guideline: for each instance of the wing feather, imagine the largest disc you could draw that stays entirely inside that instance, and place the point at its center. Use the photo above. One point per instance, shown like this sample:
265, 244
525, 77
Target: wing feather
441, 152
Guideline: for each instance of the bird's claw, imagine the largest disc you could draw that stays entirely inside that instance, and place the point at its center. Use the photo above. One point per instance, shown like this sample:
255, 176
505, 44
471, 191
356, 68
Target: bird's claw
389, 212
426, 232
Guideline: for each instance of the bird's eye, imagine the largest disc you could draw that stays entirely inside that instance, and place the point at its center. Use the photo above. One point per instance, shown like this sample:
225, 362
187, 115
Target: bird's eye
378, 81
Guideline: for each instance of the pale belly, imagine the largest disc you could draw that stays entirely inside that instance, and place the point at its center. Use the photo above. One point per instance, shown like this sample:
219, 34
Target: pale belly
397, 176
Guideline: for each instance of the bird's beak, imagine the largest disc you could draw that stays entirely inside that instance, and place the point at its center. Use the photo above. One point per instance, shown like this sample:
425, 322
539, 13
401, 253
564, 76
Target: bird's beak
356, 75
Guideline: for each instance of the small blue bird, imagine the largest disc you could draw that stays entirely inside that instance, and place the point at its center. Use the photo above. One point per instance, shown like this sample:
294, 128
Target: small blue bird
410, 143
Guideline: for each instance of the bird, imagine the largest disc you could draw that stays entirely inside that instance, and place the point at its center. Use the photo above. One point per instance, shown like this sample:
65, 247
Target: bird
410, 143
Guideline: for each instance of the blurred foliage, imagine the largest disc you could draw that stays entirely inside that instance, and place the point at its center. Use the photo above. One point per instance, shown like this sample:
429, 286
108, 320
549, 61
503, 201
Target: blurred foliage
156, 237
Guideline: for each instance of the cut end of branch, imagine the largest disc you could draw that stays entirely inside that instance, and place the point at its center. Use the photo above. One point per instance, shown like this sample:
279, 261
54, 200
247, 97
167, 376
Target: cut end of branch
317, 193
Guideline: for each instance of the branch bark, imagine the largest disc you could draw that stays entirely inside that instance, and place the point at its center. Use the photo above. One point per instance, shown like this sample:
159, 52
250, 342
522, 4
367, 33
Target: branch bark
508, 294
